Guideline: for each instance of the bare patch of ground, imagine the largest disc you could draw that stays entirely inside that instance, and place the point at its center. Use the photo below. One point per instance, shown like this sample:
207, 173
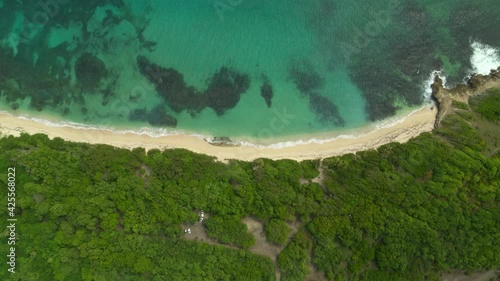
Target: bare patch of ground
294, 228
144, 172
320, 179
261, 246
198, 232
315, 275
480, 276
303, 181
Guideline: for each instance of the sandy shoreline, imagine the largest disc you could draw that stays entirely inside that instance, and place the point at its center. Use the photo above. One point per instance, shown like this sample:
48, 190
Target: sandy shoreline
419, 121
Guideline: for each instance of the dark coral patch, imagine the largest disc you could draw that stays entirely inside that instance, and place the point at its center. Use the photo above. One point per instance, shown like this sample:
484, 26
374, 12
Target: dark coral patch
224, 88
326, 110
266, 91
138, 115
305, 77
308, 82
90, 71
159, 117
156, 117
169, 84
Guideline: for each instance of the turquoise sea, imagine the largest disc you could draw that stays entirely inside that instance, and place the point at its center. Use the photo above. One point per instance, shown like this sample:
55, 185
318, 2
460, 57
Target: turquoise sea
256, 70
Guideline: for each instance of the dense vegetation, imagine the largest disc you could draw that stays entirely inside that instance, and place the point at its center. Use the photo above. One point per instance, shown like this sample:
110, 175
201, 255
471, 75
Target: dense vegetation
487, 105
229, 231
293, 260
403, 212
277, 231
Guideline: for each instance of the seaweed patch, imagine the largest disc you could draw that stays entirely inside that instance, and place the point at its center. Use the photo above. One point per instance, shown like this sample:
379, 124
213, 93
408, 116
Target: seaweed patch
223, 92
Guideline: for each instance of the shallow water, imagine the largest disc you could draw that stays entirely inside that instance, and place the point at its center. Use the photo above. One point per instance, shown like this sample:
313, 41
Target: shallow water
257, 69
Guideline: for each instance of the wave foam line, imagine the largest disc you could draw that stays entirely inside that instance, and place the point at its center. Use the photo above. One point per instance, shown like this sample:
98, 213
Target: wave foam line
156, 133
387, 123
428, 83
151, 132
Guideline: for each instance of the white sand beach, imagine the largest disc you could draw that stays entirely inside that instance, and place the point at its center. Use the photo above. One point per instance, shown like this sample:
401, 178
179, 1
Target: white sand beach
417, 122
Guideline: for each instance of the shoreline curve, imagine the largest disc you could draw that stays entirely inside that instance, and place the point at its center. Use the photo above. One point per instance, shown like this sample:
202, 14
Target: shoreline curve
402, 130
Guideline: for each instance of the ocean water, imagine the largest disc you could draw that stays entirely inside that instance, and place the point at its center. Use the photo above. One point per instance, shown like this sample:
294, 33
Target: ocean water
251, 70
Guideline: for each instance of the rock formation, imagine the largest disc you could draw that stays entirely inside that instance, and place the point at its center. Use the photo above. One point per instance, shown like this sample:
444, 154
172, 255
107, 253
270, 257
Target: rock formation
476, 85
222, 141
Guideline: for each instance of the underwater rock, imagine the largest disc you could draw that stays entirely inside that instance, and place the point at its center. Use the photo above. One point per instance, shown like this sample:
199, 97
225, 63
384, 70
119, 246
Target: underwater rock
266, 91
89, 71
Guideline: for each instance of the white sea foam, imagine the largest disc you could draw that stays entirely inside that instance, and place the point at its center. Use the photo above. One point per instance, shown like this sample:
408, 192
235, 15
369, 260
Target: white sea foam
484, 58
428, 83
152, 132
158, 132
285, 144
393, 121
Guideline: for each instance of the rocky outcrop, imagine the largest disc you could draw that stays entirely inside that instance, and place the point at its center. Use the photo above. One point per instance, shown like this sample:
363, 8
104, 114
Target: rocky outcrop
476, 85
222, 141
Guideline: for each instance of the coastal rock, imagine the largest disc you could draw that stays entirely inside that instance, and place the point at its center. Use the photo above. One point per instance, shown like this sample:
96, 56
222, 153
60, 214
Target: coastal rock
476, 85
222, 141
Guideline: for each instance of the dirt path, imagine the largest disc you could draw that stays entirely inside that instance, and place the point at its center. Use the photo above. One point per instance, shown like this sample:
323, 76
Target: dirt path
262, 247
481, 276
199, 233
315, 275
319, 179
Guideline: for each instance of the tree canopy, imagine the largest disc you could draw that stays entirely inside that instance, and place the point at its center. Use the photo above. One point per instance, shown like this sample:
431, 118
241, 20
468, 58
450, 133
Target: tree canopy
401, 212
